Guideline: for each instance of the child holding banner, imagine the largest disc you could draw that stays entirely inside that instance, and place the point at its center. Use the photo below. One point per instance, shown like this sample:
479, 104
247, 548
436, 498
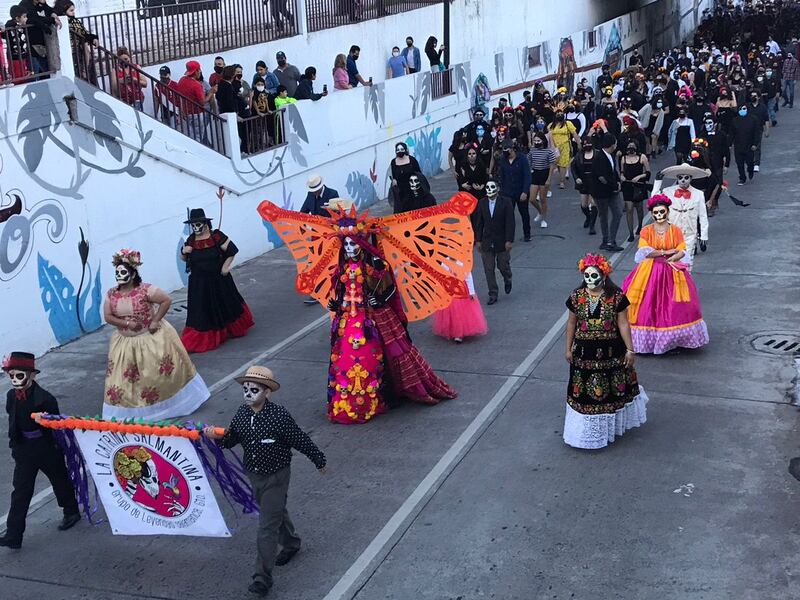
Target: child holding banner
267, 433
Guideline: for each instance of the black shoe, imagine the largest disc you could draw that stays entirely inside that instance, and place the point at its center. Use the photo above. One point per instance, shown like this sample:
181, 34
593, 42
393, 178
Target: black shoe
605, 246
309, 301
284, 556
259, 588
614, 248
507, 287
492, 300
69, 521
630, 238
527, 238
11, 543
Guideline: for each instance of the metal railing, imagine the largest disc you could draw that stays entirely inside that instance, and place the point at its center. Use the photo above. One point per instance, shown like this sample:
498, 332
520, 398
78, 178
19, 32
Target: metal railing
326, 14
441, 84
262, 132
163, 30
128, 83
19, 61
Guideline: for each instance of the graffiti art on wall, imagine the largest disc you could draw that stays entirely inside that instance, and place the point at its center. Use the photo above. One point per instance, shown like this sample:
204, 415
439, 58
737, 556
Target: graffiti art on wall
482, 92
566, 64
18, 227
375, 102
285, 203
427, 149
613, 53
422, 94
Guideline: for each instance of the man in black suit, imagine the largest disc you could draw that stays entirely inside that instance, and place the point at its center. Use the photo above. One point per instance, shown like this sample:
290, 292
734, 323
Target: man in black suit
33, 449
494, 236
318, 197
605, 191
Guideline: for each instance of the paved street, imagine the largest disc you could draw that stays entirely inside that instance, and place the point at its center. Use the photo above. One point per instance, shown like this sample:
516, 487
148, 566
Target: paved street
490, 503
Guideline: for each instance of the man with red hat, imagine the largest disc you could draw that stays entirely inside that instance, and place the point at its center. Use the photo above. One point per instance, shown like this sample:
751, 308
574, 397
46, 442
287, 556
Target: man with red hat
33, 448
192, 111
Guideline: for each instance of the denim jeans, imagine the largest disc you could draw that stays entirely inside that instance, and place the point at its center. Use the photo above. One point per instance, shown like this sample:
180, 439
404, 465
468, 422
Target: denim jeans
614, 205
772, 109
788, 91
40, 64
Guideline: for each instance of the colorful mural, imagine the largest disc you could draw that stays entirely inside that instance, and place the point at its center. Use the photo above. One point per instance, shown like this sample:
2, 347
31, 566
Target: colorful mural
613, 53
566, 65
427, 149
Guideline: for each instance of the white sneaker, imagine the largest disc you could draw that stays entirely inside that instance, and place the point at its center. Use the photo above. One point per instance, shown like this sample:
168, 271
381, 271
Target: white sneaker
566, 175
543, 224
537, 218
549, 193
755, 169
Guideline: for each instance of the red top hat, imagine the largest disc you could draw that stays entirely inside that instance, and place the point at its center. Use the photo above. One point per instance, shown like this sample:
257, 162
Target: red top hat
20, 361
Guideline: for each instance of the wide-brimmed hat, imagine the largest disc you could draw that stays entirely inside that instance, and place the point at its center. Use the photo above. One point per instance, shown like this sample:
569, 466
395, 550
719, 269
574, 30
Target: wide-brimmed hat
337, 203
260, 375
197, 215
685, 169
315, 183
20, 361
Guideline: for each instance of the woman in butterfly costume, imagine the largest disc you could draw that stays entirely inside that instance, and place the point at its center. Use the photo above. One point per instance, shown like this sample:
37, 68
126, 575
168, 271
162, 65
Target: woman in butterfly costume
375, 275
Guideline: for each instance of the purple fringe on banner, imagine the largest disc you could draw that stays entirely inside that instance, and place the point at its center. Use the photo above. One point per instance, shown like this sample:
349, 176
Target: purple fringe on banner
230, 476
77, 472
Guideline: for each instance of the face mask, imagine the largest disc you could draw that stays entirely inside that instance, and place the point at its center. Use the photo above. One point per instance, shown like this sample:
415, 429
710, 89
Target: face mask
659, 105
660, 214
19, 379
559, 117
479, 131
769, 73
540, 125
253, 393
260, 88
281, 61
122, 274
400, 151
760, 78
395, 52
593, 278
351, 248
743, 112
409, 43
631, 151
217, 69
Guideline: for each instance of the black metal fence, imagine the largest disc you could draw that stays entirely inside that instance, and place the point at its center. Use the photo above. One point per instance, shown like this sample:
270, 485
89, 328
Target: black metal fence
262, 132
441, 83
325, 14
128, 83
19, 61
160, 31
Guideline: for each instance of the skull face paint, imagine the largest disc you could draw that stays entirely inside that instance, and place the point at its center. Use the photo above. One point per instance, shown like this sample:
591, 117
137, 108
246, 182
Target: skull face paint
593, 277
415, 184
660, 214
254, 393
351, 248
684, 181
20, 379
401, 149
199, 228
492, 190
123, 274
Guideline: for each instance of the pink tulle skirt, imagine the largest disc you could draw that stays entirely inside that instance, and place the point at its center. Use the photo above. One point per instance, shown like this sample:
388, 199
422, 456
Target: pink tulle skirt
463, 318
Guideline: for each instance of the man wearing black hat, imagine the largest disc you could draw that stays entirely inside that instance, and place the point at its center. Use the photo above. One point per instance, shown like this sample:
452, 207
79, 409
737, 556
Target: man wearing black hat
164, 101
33, 448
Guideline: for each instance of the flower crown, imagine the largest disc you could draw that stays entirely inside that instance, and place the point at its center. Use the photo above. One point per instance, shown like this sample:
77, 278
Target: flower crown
350, 224
132, 258
595, 260
699, 142
659, 199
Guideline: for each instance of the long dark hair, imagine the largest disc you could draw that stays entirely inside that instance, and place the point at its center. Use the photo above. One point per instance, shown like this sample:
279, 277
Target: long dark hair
609, 287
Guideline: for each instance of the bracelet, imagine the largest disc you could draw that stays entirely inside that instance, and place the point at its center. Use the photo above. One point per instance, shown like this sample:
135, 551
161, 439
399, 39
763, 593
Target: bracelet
629, 351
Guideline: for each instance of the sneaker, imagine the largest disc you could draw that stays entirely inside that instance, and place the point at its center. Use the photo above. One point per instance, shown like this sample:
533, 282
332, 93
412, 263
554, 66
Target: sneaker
740, 182
258, 588
549, 193
756, 169
537, 218
614, 248
309, 301
543, 224
527, 238
458, 340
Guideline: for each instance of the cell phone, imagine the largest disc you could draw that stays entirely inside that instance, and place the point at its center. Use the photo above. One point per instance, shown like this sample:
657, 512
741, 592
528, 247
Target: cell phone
370, 79
325, 88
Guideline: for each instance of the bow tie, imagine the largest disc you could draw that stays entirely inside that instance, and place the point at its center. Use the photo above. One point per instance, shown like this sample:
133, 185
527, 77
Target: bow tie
682, 193
20, 394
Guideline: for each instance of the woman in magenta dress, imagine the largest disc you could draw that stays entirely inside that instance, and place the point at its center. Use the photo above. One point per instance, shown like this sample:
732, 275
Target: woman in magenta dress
462, 319
665, 312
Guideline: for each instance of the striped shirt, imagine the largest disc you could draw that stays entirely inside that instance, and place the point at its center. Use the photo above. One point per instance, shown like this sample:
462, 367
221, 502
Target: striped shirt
540, 159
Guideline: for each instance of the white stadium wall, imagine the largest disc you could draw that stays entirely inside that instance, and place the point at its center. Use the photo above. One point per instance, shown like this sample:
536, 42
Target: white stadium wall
80, 170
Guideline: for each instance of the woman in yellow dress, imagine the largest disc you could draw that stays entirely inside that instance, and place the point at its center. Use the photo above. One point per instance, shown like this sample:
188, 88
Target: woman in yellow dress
563, 133
149, 374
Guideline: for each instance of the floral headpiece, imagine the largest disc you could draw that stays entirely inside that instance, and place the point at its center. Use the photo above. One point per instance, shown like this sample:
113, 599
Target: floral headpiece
132, 258
699, 142
595, 260
659, 199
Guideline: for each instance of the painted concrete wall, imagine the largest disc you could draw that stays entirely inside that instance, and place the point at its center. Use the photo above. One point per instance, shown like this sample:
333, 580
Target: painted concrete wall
80, 179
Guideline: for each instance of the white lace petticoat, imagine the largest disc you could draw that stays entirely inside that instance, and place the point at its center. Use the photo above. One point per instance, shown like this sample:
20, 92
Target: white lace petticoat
591, 432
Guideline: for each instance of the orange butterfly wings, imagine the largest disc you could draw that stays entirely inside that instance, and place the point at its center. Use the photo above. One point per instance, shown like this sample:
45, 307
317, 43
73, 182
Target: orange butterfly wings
429, 251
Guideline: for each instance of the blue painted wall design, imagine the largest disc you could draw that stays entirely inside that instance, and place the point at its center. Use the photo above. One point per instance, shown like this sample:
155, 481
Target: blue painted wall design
427, 149
62, 305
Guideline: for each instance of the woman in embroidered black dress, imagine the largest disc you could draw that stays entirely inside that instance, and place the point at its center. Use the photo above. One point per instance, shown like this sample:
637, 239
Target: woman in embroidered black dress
216, 310
603, 397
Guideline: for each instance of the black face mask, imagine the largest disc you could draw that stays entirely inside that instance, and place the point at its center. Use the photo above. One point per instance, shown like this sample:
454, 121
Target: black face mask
631, 151
217, 69
409, 43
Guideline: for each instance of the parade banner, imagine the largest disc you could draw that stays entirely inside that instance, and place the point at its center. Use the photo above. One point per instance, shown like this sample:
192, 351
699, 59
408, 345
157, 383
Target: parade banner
151, 484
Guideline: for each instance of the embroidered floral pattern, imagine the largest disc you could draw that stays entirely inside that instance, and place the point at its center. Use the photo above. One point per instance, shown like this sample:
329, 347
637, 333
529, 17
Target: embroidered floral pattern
109, 367
149, 395
131, 373
167, 366
114, 395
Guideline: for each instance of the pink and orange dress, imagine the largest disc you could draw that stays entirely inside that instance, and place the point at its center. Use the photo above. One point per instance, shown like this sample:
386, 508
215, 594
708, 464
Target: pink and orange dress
665, 310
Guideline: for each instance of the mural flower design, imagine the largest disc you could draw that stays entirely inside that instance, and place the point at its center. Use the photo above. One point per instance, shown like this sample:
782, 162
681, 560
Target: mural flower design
361, 190
63, 305
427, 149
